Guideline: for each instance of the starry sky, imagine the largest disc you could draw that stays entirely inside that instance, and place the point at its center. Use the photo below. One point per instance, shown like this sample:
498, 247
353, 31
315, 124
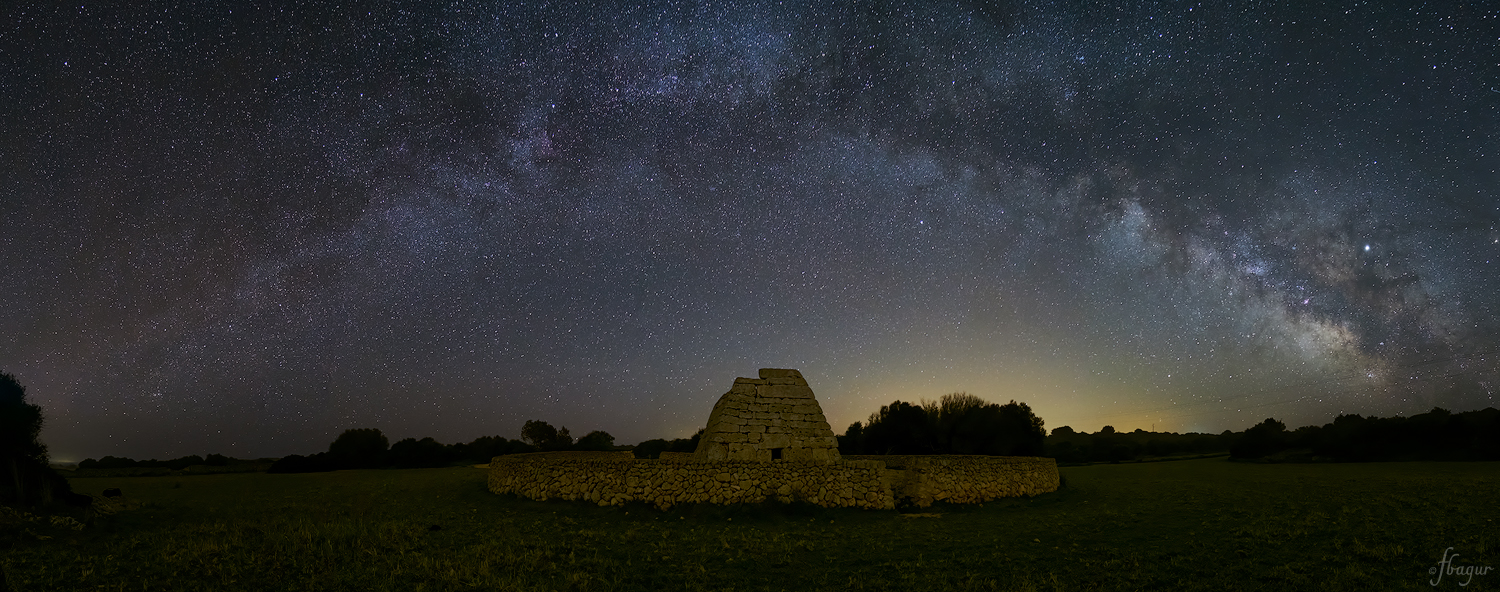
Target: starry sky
241, 228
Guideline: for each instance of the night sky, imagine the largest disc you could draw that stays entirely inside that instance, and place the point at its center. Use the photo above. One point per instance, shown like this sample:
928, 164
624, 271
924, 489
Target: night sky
238, 229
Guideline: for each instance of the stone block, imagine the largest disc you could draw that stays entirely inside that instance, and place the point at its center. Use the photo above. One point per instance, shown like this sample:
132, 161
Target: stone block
784, 391
779, 373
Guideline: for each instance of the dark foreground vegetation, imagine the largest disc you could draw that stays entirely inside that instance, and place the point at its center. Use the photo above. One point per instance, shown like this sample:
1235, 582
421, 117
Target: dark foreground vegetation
1436, 435
1190, 525
368, 448
960, 423
26, 478
957, 423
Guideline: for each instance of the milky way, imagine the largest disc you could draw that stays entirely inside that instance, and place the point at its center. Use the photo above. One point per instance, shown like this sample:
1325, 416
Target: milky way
236, 229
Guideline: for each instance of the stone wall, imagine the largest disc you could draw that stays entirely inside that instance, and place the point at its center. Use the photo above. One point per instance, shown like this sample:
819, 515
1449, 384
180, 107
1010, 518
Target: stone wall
873, 482
964, 479
665, 483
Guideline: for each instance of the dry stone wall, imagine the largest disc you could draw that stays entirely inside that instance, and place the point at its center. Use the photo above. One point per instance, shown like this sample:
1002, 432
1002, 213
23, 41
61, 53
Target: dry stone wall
665, 483
962, 479
872, 482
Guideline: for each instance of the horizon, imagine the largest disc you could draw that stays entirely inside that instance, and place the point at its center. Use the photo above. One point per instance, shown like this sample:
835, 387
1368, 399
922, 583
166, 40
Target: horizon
230, 228
1050, 433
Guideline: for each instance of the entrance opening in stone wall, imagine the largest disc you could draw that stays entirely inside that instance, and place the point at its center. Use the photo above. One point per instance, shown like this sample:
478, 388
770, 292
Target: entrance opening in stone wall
775, 454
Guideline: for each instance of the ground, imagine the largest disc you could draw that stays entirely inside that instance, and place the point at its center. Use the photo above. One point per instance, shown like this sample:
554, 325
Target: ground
1201, 524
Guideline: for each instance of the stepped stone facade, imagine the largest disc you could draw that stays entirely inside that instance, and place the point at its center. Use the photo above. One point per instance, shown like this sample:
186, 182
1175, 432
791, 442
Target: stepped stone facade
774, 417
767, 439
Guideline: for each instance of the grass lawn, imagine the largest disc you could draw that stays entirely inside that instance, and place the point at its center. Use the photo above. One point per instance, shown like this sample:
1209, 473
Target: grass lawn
1199, 524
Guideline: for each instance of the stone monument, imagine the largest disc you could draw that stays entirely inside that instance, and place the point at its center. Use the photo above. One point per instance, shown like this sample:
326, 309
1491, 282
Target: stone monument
774, 417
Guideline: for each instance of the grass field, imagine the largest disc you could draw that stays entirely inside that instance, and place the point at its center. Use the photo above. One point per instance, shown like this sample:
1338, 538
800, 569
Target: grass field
1199, 524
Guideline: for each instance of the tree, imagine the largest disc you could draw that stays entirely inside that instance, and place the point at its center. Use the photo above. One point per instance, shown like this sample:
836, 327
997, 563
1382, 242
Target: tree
538, 433
651, 448
1266, 438
26, 478
853, 440
359, 449
899, 428
413, 453
486, 448
965, 424
686, 444
1022, 433
596, 440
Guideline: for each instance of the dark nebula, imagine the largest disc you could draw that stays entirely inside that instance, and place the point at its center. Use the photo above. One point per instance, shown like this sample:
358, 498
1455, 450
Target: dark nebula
235, 228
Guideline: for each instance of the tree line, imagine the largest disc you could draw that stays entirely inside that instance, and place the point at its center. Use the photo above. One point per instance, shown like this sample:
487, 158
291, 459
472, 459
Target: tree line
176, 464
1108, 445
957, 423
1438, 434
368, 448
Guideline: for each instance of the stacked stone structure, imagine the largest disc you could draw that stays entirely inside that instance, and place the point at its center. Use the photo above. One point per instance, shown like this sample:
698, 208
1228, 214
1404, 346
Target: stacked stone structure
767, 439
774, 417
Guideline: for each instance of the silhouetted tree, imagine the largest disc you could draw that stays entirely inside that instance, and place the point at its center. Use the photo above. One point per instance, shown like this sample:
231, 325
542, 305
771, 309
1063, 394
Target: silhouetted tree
1266, 438
359, 449
965, 424
486, 448
1063, 432
651, 448
539, 433
413, 453
26, 478
853, 440
1021, 432
216, 460
596, 440
899, 428
686, 444
178, 464
654, 447
958, 423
